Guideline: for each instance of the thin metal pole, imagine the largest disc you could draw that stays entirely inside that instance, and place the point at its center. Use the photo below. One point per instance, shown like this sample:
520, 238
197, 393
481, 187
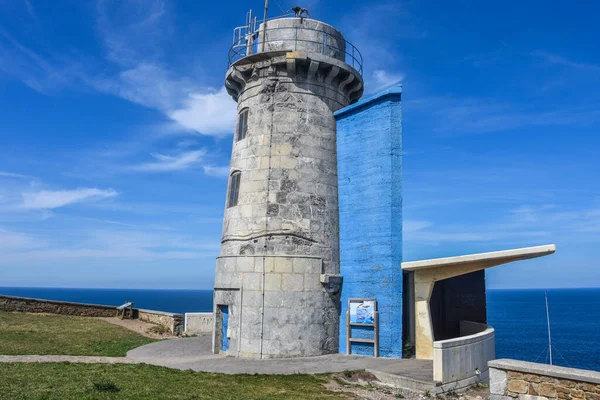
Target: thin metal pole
264, 24
548, 318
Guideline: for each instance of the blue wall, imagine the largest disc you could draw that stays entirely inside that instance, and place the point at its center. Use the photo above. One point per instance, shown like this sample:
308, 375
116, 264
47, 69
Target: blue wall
369, 145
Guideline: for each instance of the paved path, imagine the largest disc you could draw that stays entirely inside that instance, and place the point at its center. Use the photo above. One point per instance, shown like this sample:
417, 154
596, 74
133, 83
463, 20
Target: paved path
194, 353
72, 359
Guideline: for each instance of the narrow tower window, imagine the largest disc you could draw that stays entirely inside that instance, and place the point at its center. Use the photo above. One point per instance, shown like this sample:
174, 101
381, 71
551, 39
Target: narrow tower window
242, 124
234, 189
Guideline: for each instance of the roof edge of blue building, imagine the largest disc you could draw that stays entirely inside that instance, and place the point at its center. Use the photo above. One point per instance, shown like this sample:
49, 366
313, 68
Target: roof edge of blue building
392, 91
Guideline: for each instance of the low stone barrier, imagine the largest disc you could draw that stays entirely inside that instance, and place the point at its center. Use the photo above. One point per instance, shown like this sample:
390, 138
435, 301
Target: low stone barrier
198, 323
530, 381
172, 322
24, 304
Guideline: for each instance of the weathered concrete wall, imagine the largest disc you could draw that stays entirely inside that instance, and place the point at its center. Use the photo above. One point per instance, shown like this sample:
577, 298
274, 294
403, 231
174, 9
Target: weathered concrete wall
370, 196
173, 322
280, 242
530, 381
303, 34
463, 361
297, 314
23, 304
198, 323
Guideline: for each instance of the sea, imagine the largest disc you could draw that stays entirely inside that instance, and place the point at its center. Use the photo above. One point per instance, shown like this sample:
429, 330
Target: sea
518, 316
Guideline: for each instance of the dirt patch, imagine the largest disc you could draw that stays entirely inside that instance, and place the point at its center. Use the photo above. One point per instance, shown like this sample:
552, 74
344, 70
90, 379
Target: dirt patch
361, 377
143, 328
368, 392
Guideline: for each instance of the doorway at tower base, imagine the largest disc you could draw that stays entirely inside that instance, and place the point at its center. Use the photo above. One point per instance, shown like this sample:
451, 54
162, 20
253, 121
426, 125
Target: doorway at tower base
276, 307
369, 148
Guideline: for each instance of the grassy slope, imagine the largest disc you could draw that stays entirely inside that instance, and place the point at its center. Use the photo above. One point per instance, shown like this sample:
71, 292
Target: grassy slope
76, 381
41, 334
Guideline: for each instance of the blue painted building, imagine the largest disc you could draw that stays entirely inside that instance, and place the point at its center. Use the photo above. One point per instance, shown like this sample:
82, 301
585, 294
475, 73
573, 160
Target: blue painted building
369, 149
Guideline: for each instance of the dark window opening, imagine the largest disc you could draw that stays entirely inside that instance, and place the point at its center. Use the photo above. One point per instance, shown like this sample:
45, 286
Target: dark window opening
457, 299
242, 127
234, 189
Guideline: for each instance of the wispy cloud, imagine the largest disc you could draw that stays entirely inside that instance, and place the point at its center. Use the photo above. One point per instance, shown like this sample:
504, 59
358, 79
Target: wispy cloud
133, 33
121, 244
381, 79
30, 9
135, 38
164, 163
410, 226
458, 116
555, 59
524, 224
368, 29
219, 172
47, 199
13, 175
19, 241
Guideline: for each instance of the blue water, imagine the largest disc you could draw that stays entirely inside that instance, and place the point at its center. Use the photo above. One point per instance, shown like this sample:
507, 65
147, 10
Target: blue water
519, 317
175, 301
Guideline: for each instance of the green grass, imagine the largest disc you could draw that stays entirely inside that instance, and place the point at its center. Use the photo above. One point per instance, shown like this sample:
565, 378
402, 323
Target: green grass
41, 334
48, 381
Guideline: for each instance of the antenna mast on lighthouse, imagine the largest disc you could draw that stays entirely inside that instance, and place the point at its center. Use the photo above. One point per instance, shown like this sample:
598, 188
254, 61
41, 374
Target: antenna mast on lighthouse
264, 24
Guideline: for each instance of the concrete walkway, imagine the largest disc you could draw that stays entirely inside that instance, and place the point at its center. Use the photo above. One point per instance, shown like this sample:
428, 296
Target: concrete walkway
194, 353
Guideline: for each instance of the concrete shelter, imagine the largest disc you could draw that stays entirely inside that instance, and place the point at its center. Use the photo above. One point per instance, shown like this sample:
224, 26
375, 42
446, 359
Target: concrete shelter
426, 277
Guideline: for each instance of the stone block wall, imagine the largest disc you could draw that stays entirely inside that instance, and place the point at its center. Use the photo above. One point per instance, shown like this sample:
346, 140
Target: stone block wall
278, 306
173, 322
24, 304
370, 201
510, 379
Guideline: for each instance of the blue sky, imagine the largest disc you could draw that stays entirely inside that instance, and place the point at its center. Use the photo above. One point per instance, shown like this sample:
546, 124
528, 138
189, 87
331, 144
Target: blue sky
116, 134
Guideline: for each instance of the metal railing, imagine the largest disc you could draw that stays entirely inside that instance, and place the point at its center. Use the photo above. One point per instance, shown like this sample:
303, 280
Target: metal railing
319, 42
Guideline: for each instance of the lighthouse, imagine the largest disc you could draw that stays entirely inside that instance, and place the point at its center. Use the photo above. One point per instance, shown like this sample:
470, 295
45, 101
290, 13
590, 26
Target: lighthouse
277, 278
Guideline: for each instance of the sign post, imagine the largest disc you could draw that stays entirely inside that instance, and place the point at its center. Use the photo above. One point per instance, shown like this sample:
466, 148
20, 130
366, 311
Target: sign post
362, 313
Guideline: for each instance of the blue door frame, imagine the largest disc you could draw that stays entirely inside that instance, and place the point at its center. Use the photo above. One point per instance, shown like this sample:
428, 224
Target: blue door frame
224, 324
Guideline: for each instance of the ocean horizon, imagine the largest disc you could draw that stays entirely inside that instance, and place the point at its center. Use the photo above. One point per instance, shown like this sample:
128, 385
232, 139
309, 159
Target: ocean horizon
517, 315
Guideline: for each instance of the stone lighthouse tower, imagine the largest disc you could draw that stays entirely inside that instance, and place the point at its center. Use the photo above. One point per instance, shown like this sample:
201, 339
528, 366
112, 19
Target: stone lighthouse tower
277, 280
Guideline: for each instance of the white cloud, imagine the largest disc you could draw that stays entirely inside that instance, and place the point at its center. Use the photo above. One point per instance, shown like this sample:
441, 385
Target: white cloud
134, 35
47, 199
178, 162
382, 79
210, 113
206, 111
219, 172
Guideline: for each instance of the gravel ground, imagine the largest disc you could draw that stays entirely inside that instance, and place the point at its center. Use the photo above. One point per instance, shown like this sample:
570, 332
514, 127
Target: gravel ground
365, 387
